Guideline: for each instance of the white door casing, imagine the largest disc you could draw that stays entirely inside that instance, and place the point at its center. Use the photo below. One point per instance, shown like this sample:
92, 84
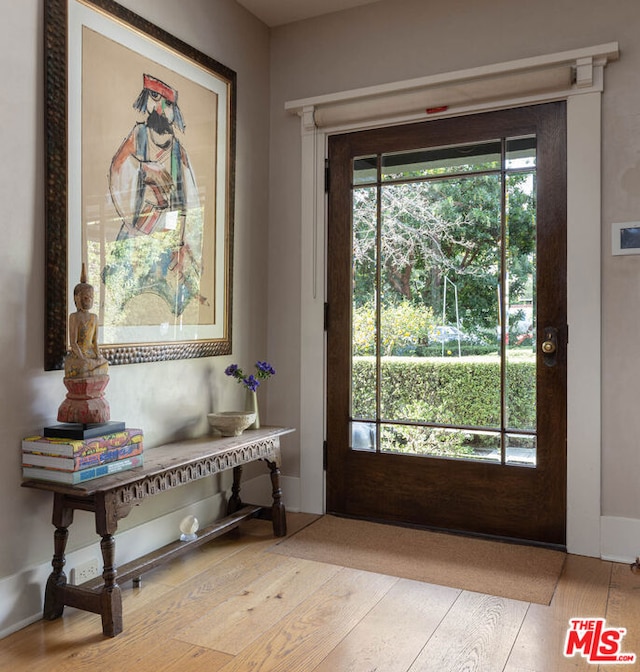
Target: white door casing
576, 76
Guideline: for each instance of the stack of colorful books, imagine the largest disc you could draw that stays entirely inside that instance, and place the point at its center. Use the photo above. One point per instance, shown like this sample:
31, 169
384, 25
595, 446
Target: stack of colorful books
78, 460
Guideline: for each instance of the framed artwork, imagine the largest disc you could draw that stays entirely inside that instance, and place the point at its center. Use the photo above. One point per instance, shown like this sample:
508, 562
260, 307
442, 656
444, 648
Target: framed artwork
625, 238
140, 160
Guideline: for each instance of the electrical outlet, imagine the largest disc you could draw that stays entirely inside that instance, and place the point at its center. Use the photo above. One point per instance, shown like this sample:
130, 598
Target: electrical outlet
85, 572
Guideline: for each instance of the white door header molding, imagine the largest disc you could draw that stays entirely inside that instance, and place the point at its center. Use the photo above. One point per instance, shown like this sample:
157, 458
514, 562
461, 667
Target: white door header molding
520, 82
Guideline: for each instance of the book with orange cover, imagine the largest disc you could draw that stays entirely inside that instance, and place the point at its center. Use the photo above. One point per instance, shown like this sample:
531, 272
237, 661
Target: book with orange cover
36, 458
80, 447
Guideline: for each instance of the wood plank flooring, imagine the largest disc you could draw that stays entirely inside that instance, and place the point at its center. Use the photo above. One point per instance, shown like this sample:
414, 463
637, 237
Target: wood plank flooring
231, 606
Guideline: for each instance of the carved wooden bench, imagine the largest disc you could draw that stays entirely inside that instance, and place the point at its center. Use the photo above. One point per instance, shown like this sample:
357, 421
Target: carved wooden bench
112, 497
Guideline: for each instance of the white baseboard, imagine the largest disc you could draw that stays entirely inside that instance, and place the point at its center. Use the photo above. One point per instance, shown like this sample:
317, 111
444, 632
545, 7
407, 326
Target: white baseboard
22, 597
619, 539
22, 594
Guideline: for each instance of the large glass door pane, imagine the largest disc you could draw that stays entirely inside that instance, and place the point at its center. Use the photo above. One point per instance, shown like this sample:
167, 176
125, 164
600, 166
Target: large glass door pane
443, 305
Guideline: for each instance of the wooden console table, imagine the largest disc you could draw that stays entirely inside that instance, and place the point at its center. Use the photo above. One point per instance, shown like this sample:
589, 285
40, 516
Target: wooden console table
111, 498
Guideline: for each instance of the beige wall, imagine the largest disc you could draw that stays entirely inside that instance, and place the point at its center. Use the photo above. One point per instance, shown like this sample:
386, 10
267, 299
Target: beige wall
402, 39
165, 399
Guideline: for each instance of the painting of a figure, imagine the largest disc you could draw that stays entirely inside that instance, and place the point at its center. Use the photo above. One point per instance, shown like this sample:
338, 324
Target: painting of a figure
153, 189
149, 188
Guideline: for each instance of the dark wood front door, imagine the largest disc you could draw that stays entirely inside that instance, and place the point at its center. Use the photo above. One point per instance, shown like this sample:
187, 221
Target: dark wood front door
446, 343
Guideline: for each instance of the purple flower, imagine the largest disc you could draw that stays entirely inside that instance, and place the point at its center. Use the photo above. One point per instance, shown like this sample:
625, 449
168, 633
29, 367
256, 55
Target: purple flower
265, 369
251, 382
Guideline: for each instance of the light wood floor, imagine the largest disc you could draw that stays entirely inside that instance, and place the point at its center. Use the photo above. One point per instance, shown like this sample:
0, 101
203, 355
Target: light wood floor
232, 606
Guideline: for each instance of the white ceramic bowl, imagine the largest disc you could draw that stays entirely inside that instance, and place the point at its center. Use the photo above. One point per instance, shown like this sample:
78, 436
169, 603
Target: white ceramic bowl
231, 423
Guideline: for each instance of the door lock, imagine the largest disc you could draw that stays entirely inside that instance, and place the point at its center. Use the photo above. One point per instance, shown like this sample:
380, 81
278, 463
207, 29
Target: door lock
549, 346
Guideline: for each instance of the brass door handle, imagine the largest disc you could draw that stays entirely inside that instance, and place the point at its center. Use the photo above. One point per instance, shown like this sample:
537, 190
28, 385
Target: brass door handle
549, 346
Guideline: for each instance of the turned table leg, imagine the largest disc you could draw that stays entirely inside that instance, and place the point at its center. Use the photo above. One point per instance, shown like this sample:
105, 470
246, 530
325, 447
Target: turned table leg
54, 591
235, 503
107, 515
278, 513
110, 598
53, 602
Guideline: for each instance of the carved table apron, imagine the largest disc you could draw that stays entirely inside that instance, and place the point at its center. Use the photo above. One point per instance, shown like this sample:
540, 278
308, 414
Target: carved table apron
111, 498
